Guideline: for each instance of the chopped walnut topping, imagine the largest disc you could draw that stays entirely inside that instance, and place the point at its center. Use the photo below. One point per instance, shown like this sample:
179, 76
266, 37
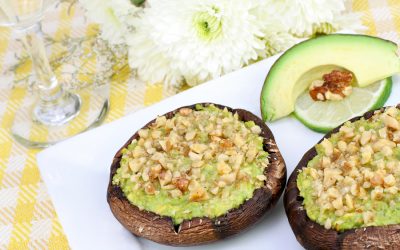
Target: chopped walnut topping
334, 86
149, 188
198, 194
359, 164
181, 183
199, 156
185, 111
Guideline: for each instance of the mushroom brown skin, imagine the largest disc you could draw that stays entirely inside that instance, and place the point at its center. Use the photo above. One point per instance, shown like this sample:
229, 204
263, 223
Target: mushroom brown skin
196, 231
312, 235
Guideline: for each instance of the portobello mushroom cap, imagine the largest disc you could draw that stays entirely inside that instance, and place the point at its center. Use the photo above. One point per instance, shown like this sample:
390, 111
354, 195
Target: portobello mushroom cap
196, 231
312, 235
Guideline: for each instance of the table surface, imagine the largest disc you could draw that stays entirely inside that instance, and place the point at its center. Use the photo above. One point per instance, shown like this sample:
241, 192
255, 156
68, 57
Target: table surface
27, 217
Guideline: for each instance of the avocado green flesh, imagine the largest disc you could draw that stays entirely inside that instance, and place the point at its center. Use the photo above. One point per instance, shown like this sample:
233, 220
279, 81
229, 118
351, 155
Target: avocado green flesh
370, 59
387, 210
181, 208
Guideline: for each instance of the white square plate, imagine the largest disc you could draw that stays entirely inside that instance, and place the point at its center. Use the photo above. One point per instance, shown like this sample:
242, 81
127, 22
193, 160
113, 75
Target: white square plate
76, 171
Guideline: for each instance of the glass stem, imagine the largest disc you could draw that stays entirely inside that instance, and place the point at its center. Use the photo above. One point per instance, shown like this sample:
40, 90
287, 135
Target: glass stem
55, 106
49, 88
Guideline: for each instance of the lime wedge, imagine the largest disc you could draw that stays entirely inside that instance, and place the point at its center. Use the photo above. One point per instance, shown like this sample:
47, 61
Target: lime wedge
324, 116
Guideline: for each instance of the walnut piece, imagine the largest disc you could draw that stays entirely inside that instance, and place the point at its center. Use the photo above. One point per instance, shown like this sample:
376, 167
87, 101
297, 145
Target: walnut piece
196, 155
357, 164
334, 86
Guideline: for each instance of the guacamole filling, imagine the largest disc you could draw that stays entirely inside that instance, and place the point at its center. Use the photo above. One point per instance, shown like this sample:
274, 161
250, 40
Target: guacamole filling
354, 180
199, 163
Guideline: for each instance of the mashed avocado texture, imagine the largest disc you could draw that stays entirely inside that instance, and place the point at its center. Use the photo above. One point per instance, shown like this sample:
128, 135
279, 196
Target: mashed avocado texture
199, 163
354, 180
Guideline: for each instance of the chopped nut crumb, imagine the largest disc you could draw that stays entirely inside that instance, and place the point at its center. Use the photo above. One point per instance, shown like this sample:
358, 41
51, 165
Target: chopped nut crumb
196, 156
335, 86
358, 164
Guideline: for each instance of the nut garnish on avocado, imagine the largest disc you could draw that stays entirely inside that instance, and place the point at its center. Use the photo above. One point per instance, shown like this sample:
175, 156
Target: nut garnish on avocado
199, 163
354, 180
369, 59
335, 86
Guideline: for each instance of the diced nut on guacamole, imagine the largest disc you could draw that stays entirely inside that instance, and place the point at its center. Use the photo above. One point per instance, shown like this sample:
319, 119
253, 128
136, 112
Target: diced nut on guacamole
354, 180
199, 163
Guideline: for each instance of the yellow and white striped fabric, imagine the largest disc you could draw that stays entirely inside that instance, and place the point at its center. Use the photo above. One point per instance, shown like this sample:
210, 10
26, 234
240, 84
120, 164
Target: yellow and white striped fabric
27, 217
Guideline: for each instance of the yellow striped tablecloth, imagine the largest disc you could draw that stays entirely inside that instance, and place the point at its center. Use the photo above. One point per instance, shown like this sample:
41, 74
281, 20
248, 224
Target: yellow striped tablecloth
27, 217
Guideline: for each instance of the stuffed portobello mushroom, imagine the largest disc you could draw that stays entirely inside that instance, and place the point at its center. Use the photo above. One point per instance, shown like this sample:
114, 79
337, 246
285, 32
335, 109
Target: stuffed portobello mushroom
195, 175
344, 193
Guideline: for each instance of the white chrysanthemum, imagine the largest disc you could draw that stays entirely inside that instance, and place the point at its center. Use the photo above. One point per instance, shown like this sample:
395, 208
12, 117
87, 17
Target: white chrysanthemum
113, 17
277, 37
305, 16
199, 40
349, 21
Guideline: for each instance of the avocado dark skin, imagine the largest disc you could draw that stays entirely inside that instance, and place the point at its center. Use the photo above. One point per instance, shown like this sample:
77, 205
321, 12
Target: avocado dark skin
312, 235
202, 230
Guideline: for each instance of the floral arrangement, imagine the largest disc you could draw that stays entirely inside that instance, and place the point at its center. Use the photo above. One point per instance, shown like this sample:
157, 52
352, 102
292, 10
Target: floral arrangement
73, 62
189, 41
79, 61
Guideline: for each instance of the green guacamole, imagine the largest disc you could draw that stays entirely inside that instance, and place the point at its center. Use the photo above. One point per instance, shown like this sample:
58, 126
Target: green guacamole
362, 194
160, 175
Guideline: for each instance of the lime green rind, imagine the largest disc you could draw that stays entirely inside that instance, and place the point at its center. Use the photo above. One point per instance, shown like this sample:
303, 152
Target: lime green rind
272, 108
384, 96
318, 129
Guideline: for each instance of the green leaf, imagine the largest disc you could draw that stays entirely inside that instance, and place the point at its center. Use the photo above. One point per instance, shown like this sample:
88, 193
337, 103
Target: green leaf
137, 2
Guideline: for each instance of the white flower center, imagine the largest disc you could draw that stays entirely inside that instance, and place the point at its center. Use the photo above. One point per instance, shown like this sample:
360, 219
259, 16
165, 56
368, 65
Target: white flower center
208, 24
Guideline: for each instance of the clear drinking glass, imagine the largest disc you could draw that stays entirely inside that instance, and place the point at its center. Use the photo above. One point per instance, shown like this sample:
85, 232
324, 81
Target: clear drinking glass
54, 113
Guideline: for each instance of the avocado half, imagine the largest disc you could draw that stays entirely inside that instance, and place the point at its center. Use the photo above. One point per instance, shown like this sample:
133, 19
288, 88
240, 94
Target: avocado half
196, 231
369, 58
312, 235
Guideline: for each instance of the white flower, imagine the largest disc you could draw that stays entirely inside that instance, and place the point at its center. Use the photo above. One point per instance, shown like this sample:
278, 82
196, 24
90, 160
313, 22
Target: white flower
349, 21
277, 37
304, 17
192, 41
196, 41
112, 15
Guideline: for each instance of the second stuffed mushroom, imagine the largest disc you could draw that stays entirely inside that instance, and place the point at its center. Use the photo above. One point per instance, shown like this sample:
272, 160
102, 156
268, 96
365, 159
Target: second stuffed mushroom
344, 193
